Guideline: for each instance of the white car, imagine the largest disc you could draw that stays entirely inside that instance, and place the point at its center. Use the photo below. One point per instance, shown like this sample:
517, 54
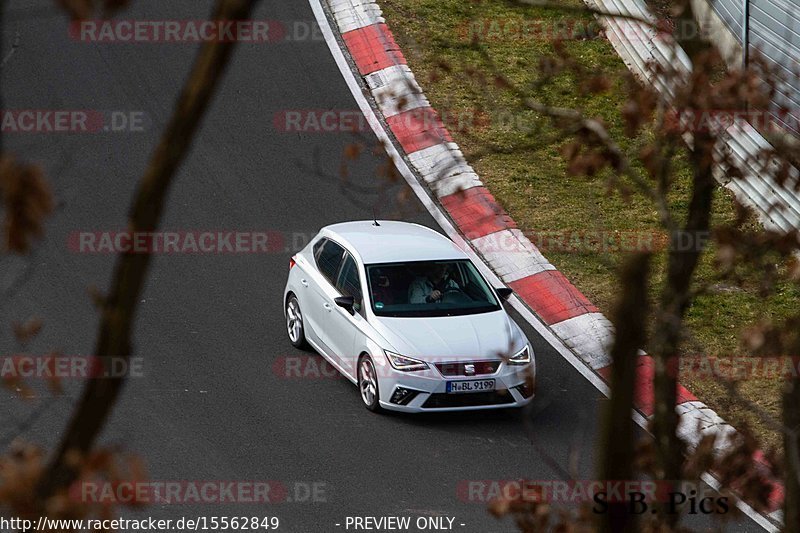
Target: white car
404, 314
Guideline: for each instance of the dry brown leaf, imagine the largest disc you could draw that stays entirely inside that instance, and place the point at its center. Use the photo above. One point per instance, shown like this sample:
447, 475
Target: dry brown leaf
24, 332
27, 200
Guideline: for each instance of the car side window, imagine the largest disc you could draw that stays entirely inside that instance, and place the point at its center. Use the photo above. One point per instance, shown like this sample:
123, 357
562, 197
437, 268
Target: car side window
349, 283
329, 259
318, 246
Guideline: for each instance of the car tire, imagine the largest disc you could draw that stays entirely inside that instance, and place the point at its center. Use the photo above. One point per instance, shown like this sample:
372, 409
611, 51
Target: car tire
368, 384
295, 327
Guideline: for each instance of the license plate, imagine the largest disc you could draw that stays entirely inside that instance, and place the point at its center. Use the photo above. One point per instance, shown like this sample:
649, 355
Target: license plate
479, 385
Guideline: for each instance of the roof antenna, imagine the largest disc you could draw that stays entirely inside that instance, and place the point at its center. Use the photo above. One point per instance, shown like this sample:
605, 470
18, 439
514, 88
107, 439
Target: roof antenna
374, 218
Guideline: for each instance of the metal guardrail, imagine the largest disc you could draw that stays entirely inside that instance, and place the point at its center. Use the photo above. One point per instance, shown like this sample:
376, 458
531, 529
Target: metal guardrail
639, 45
773, 28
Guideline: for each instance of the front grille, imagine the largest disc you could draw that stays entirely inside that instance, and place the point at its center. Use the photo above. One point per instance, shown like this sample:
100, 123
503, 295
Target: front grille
482, 368
439, 401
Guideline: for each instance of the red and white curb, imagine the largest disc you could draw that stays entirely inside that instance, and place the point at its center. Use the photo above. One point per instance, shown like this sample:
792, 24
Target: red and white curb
393, 103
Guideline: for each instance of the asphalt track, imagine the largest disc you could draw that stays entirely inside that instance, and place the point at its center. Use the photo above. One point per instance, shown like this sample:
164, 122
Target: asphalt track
210, 328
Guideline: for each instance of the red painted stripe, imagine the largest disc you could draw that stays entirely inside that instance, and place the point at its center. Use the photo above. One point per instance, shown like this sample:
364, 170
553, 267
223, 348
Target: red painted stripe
552, 296
417, 129
685, 395
644, 392
373, 48
476, 212
775, 497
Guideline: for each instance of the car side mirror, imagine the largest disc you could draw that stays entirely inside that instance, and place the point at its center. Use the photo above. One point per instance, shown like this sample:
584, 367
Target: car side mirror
504, 292
346, 302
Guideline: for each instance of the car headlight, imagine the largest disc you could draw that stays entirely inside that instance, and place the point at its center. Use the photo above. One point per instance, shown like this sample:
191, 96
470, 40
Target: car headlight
522, 357
403, 363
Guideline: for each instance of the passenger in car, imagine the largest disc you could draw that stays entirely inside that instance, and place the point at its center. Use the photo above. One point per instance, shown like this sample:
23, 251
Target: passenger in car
382, 288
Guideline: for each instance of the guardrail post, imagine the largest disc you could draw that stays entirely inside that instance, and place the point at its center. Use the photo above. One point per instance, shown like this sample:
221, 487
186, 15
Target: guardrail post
745, 33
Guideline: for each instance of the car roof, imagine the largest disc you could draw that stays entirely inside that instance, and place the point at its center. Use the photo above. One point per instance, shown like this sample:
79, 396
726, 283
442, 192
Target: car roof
393, 241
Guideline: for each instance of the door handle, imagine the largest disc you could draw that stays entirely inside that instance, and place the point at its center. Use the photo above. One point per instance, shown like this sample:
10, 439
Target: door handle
327, 307
304, 282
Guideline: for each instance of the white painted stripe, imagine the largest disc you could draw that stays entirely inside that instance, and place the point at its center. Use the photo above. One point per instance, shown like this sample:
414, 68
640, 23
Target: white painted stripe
354, 14
511, 255
445, 186
590, 336
396, 90
754, 515
444, 222
444, 168
696, 419
440, 160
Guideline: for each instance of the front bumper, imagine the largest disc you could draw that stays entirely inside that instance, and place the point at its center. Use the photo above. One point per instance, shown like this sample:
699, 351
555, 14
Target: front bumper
514, 387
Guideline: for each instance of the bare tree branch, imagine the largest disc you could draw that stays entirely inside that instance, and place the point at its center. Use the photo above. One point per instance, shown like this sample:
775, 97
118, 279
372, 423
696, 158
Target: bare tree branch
617, 438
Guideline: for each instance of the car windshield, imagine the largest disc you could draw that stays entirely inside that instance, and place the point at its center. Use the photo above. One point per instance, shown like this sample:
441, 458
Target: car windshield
429, 289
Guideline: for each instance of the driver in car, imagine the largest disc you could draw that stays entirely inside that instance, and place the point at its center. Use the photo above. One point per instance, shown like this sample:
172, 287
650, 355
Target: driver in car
430, 289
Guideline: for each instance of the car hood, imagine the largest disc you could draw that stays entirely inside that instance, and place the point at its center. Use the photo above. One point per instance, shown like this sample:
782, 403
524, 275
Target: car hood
464, 337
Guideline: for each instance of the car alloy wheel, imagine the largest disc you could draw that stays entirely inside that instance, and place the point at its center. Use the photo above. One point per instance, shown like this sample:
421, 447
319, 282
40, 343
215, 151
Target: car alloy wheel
368, 383
294, 323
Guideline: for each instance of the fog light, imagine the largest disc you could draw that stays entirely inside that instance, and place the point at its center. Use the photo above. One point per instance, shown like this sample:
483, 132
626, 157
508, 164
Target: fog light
402, 396
526, 389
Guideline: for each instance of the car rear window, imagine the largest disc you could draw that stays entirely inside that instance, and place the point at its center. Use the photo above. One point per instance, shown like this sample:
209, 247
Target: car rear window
329, 258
